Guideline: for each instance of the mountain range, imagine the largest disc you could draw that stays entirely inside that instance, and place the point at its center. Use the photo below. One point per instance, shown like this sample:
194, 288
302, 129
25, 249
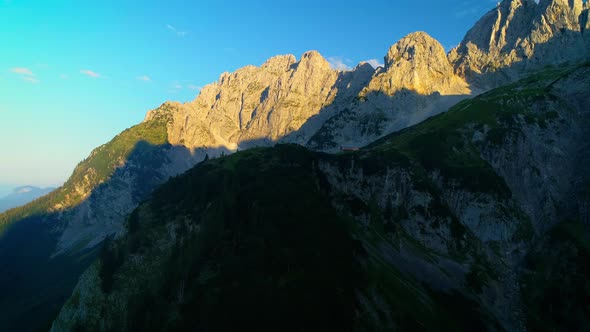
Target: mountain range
465, 207
21, 196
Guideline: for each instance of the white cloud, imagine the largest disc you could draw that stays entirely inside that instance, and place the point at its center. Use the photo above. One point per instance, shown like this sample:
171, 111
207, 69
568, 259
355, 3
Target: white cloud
176, 31
22, 71
178, 86
90, 73
31, 79
64, 76
144, 78
195, 87
339, 63
26, 74
374, 63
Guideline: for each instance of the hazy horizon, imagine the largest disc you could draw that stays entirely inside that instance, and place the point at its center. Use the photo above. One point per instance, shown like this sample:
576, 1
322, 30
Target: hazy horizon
6, 189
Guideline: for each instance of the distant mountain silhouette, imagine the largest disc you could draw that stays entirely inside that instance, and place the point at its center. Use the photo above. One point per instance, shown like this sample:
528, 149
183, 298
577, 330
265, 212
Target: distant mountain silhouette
21, 196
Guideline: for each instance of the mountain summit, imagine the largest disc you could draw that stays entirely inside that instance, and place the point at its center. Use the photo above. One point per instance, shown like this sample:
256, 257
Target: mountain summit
418, 63
519, 36
442, 215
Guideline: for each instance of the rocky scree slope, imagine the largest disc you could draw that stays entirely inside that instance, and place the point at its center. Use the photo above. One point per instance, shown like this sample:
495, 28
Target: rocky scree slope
308, 103
284, 99
430, 228
417, 82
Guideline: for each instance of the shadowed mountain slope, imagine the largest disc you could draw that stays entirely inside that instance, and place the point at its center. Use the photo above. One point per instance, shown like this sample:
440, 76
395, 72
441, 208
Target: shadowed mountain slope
306, 102
435, 228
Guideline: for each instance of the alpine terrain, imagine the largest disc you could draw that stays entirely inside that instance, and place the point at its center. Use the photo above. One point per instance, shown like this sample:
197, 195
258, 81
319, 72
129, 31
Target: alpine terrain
439, 192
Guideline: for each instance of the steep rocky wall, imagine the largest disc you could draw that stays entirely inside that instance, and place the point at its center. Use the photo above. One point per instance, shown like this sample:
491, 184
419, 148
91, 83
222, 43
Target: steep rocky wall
519, 36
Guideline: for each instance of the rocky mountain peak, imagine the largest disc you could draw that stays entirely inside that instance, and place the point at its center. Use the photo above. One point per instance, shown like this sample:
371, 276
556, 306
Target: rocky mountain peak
364, 67
518, 36
280, 62
314, 59
561, 14
417, 47
256, 105
164, 111
418, 63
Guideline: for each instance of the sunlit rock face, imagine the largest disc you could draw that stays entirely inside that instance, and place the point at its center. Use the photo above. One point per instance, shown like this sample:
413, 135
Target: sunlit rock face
417, 82
417, 63
472, 203
256, 105
519, 36
305, 101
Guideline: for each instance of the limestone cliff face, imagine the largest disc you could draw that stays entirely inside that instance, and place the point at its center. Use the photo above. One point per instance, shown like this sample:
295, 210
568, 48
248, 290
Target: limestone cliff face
452, 205
256, 105
417, 82
286, 100
306, 102
418, 63
519, 36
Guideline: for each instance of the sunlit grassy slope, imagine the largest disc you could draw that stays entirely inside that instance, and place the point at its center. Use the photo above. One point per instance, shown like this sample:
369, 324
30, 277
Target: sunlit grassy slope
92, 171
254, 240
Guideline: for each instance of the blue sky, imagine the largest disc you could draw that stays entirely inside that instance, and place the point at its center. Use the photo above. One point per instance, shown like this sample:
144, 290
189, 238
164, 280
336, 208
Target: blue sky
75, 73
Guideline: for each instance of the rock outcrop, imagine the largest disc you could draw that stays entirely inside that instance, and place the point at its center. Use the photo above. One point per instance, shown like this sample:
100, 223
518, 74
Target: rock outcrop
519, 36
417, 82
417, 63
306, 102
446, 214
256, 105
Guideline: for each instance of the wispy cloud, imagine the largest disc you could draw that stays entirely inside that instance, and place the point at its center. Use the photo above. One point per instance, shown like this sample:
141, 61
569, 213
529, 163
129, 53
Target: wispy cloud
22, 71
195, 87
339, 63
64, 76
374, 63
31, 79
144, 78
26, 74
90, 73
176, 31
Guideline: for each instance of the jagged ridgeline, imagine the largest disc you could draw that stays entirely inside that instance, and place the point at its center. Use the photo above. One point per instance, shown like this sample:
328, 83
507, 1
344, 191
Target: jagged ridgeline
424, 229
91, 172
451, 207
110, 182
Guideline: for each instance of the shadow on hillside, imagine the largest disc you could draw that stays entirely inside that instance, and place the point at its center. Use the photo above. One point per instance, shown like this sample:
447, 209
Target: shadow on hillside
348, 86
376, 115
34, 282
